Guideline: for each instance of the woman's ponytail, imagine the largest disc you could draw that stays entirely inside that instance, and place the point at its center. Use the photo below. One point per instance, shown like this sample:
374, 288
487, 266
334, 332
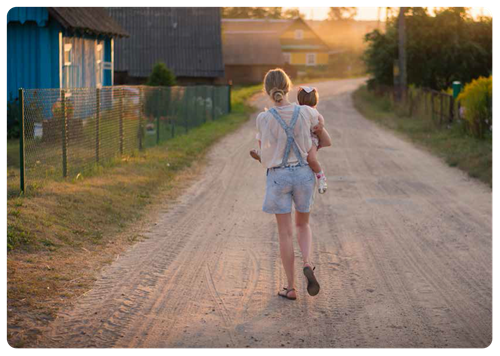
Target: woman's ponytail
277, 84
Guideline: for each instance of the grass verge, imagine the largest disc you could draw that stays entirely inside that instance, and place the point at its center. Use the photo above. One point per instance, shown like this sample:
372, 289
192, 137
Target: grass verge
61, 234
474, 156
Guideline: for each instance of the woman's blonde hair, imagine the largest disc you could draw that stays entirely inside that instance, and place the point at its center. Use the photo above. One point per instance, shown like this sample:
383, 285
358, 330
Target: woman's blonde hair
277, 84
310, 99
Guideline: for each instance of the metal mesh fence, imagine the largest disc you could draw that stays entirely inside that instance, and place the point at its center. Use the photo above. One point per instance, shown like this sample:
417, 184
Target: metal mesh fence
68, 131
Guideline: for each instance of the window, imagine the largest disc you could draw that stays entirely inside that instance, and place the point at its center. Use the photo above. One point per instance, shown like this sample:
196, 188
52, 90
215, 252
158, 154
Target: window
68, 54
311, 59
299, 34
287, 57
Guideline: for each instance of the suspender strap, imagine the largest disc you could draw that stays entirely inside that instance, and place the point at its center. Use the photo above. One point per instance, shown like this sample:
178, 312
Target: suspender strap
289, 129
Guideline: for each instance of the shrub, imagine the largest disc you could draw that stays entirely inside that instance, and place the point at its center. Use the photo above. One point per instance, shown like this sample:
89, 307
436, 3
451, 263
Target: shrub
477, 101
161, 76
13, 119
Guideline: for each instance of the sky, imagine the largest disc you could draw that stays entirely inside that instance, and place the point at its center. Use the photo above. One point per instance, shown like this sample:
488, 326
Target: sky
365, 13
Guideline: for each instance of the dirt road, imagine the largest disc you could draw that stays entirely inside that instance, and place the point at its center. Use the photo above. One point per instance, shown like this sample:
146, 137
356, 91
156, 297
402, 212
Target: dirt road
402, 245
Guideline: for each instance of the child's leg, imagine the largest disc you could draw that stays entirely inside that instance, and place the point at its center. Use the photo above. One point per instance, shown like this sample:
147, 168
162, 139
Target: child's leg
312, 159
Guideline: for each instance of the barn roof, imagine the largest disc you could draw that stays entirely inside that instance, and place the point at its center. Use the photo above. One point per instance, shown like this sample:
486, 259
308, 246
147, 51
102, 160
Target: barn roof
90, 20
262, 25
187, 40
252, 49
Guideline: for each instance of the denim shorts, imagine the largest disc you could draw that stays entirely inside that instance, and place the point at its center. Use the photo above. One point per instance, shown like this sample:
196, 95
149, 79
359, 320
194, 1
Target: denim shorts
284, 185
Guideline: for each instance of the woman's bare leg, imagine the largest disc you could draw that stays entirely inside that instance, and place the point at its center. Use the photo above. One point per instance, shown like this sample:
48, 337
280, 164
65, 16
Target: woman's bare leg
304, 235
285, 232
312, 159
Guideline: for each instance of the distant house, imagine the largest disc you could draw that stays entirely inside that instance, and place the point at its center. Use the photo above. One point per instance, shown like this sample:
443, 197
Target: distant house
58, 47
255, 44
187, 40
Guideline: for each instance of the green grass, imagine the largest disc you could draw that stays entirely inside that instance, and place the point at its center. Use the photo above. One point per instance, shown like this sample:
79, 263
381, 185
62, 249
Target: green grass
451, 143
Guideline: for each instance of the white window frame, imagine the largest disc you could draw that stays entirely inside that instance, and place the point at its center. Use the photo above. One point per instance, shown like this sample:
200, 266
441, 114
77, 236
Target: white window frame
313, 55
287, 56
68, 47
299, 34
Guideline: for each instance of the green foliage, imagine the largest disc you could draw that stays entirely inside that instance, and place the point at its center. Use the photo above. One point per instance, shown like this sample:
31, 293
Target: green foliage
161, 76
13, 119
441, 48
477, 101
260, 13
342, 13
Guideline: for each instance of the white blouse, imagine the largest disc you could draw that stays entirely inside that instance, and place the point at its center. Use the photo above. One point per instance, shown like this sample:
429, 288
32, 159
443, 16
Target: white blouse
273, 137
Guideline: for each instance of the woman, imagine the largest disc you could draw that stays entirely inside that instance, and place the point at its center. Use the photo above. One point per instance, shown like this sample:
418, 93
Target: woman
284, 135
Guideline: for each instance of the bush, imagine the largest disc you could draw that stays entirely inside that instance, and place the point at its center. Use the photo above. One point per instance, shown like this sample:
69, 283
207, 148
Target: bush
477, 101
161, 76
13, 119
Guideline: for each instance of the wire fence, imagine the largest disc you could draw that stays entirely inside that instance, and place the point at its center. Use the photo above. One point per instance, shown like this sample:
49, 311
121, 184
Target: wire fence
439, 107
65, 131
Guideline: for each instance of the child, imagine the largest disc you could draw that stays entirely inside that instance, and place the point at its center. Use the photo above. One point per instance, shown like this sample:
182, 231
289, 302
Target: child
309, 96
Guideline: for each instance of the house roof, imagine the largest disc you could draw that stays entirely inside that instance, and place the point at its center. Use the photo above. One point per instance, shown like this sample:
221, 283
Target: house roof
187, 40
261, 25
249, 48
91, 20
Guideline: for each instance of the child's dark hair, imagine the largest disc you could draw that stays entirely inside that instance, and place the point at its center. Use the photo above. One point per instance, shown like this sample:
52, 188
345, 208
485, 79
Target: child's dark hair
310, 99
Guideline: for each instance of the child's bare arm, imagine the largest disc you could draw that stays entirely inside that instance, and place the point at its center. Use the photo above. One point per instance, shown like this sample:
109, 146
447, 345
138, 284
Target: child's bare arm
324, 137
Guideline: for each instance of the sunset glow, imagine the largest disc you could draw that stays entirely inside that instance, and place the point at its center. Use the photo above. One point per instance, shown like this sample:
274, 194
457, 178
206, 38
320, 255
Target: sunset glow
369, 13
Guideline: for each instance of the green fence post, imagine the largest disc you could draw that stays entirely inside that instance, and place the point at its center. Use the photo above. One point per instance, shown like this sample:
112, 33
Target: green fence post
170, 118
229, 98
140, 118
213, 103
97, 123
158, 119
457, 87
64, 134
120, 122
22, 166
186, 109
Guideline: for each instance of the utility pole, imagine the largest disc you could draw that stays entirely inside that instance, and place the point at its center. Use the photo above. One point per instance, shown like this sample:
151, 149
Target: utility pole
402, 54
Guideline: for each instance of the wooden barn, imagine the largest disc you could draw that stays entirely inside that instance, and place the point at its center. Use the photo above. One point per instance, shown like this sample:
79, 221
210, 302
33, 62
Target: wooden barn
187, 40
252, 46
59, 47
248, 56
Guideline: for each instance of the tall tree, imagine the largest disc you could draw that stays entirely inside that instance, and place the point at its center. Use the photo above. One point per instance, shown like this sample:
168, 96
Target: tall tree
342, 13
292, 13
442, 47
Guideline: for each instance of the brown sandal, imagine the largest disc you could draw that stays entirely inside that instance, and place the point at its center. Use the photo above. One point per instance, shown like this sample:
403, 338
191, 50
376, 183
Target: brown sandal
255, 155
284, 293
312, 282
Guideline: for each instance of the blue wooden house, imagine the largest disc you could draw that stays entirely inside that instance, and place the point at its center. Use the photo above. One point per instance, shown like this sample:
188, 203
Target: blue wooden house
57, 47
